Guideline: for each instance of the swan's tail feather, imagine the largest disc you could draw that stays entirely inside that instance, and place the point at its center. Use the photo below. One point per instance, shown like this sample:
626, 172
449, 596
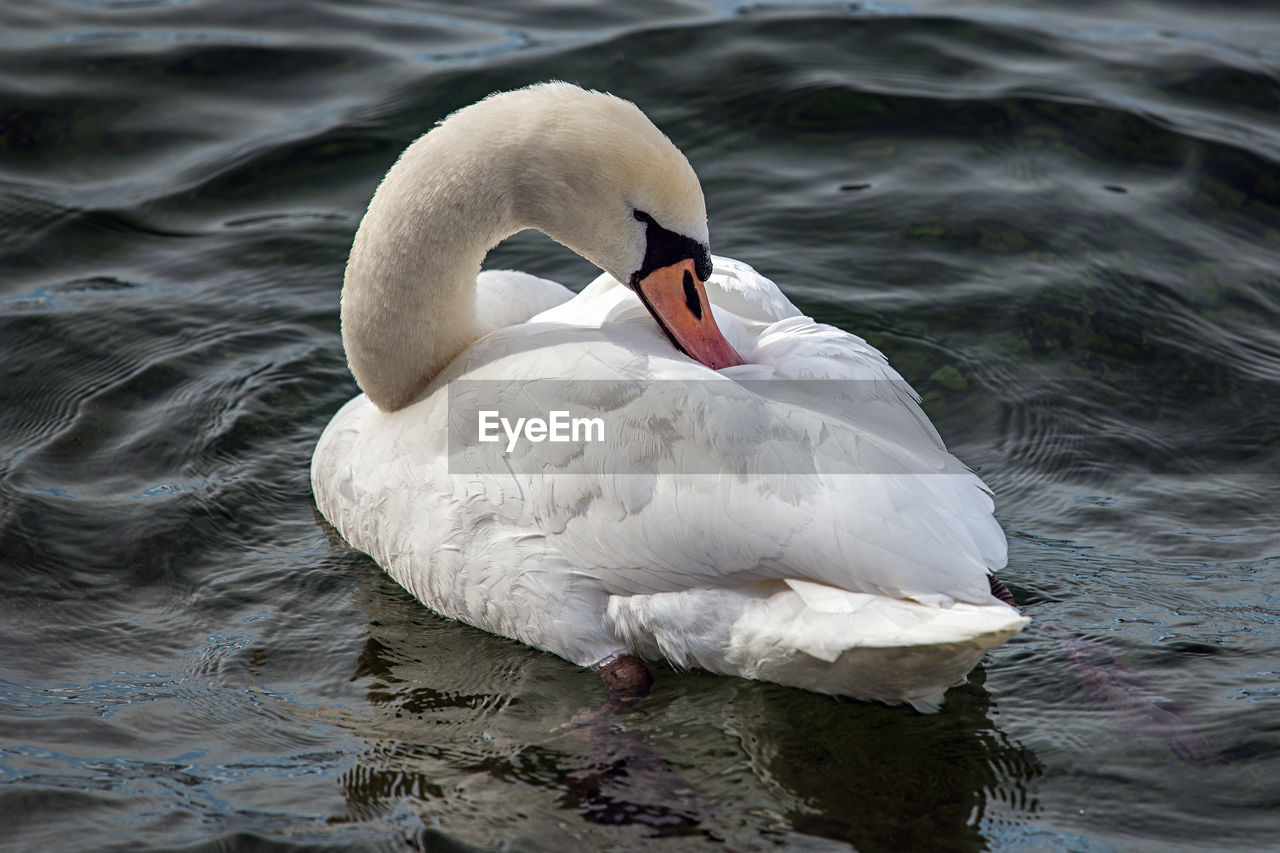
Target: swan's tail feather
817, 637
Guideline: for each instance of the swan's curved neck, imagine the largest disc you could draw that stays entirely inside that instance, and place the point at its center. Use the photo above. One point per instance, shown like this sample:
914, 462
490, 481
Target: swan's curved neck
578, 166
408, 300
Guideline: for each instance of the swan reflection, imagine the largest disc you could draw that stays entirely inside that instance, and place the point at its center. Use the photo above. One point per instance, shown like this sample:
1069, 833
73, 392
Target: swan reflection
492, 743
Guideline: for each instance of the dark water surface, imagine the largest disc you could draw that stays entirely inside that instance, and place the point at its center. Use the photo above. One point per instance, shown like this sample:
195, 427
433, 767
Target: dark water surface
1062, 221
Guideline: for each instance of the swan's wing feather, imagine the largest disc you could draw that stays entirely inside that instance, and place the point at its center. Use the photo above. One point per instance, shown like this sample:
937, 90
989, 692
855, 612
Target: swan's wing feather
507, 297
736, 287
704, 481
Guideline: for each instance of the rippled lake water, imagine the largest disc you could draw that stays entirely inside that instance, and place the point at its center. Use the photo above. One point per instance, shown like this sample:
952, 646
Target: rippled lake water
1060, 221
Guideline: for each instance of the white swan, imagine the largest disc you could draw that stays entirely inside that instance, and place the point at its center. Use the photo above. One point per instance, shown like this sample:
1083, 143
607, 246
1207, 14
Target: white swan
750, 520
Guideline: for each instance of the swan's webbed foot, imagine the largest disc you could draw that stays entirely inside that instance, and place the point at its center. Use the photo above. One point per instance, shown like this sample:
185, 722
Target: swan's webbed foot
1000, 591
626, 679
624, 779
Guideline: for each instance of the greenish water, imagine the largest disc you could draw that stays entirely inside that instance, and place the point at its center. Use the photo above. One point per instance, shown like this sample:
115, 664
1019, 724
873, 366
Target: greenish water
1060, 221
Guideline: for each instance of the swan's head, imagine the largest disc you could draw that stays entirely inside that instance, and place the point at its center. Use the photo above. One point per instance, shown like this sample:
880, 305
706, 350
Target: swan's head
592, 172
585, 168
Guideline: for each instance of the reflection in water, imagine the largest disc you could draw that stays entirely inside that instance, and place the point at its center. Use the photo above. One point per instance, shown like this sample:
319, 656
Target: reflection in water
592, 765
628, 780
885, 778
1132, 699
470, 730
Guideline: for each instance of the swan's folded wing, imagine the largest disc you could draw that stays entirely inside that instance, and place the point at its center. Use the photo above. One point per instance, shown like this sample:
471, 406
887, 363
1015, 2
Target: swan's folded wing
507, 297
827, 472
737, 288
706, 481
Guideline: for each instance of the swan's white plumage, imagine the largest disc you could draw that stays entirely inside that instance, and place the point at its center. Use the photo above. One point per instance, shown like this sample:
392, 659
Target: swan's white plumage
828, 541
870, 585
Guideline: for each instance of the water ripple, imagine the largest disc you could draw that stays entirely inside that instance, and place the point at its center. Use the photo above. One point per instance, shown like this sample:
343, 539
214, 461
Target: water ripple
1061, 225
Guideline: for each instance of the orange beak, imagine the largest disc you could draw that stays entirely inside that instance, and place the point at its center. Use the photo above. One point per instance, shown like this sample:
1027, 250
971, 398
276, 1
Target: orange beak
676, 298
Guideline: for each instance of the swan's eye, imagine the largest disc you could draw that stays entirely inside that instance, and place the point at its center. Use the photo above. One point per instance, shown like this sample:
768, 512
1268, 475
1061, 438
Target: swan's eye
691, 296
